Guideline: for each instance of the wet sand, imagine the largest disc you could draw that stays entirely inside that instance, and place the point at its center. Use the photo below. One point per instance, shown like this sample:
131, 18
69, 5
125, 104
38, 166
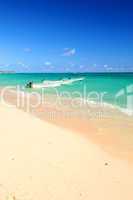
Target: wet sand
107, 127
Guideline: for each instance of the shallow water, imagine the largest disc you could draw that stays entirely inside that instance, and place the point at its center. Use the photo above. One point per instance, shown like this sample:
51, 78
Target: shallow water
111, 88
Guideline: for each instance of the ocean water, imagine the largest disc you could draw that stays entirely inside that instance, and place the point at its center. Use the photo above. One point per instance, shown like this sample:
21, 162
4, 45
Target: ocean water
114, 89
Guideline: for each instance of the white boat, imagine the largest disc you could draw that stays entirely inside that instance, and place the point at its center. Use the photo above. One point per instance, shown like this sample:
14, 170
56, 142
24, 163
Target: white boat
48, 84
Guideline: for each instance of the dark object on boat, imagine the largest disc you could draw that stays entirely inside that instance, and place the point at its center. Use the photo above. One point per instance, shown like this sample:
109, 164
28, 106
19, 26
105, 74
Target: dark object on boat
29, 85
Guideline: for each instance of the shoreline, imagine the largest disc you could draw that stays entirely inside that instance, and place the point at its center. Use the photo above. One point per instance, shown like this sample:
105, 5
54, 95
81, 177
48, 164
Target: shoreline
114, 135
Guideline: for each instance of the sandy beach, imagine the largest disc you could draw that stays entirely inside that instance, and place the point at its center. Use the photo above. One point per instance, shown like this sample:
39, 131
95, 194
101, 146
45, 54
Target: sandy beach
106, 127
42, 161
66, 100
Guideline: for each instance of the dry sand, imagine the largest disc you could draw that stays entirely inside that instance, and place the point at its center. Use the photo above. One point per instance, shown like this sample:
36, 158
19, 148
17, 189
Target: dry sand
40, 161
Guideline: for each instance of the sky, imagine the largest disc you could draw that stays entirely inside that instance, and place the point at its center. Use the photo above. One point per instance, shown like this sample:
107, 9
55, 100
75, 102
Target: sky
66, 35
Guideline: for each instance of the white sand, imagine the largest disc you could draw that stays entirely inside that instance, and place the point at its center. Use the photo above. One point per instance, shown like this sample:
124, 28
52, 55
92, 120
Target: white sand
39, 161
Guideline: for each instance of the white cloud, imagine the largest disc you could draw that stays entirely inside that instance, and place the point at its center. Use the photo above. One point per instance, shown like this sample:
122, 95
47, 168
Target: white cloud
21, 63
47, 63
28, 50
105, 66
81, 66
71, 64
94, 65
69, 52
108, 68
5, 65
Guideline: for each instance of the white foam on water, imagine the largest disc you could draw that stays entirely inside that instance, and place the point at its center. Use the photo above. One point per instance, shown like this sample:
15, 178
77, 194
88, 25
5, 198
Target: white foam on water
109, 105
49, 84
126, 111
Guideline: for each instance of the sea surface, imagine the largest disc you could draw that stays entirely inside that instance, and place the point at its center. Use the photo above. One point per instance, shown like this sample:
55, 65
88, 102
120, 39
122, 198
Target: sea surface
112, 89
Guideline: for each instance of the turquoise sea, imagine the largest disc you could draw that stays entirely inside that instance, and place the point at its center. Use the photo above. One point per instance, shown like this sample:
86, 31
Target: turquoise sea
112, 88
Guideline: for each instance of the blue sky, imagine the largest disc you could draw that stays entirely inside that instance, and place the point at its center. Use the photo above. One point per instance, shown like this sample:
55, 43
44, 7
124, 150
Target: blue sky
66, 35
